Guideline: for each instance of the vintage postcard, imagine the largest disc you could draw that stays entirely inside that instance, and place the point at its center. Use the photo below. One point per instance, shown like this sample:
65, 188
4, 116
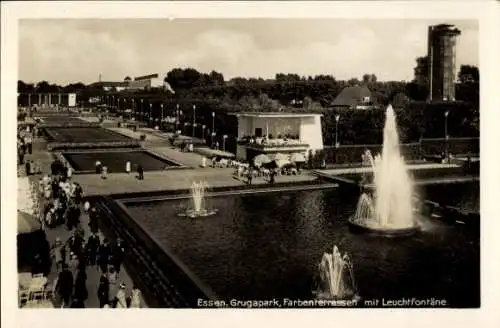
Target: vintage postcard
249, 156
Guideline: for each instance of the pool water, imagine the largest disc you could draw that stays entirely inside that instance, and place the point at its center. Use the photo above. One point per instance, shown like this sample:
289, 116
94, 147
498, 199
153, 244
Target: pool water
265, 246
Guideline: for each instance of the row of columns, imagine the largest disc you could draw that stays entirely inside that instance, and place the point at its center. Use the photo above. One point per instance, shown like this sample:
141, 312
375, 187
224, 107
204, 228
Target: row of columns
45, 100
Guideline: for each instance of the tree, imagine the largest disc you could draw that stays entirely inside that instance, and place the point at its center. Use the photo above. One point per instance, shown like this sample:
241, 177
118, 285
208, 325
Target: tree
421, 71
23, 87
468, 74
216, 78
369, 78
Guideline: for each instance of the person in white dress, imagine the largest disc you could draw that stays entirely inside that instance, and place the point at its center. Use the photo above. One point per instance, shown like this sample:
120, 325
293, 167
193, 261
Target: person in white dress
135, 301
104, 172
86, 206
121, 297
127, 167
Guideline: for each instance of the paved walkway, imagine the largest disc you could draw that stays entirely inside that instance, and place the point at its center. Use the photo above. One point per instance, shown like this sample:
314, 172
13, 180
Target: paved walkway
177, 179
137, 135
192, 160
366, 169
160, 144
93, 275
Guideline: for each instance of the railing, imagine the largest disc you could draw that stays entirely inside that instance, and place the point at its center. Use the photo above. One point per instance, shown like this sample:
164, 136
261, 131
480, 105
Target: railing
164, 282
272, 145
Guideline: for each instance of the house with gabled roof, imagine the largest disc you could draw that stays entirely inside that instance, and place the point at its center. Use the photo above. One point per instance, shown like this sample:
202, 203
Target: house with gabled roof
354, 97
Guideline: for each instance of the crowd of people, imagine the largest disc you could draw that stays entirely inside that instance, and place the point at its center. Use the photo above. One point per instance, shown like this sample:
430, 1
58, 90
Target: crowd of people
25, 146
63, 205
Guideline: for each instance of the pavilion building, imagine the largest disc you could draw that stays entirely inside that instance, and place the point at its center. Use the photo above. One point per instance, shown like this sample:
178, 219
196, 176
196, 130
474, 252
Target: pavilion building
277, 132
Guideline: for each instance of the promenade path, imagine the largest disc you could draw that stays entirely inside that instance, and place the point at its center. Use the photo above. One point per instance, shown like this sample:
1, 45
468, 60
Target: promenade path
159, 144
93, 274
366, 169
176, 179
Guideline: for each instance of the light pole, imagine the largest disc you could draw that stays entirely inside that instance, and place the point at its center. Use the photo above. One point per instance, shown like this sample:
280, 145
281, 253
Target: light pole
194, 118
142, 107
161, 112
224, 137
337, 118
150, 112
176, 116
446, 131
213, 127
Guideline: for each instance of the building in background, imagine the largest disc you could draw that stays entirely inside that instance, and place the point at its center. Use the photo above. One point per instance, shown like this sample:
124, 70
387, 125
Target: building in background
354, 97
277, 132
110, 85
147, 82
441, 55
46, 100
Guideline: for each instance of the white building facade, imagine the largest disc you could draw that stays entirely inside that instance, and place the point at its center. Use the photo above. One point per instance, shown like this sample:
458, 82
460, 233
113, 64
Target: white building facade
267, 133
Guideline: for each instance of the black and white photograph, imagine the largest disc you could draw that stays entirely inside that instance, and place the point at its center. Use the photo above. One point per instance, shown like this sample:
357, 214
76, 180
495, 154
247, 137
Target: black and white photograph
248, 163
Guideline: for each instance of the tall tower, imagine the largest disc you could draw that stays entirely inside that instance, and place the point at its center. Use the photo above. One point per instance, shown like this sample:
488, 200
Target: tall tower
441, 54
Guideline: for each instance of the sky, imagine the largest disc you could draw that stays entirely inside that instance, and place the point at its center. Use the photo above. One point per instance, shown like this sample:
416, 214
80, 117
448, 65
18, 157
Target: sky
78, 50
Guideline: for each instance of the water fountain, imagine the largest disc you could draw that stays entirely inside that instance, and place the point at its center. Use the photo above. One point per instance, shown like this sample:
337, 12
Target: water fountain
336, 277
198, 201
390, 209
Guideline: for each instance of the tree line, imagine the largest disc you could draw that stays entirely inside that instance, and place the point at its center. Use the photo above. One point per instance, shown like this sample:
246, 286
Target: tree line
211, 92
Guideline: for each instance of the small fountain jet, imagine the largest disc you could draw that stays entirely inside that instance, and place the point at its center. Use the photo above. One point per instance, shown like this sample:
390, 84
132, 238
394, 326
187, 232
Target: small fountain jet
336, 277
198, 198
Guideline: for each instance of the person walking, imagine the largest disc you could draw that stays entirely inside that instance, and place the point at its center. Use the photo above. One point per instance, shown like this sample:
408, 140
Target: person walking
104, 254
86, 207
121, 298
104, 172
98, 167
140, 171
93, 220
103, 291
81, 292
73, 264
27, 167
118, 254
32, 169
250, 176
92, 248
272, 176
75, 243
135, 299
20, 155
29, 144
64, 285
59, 250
